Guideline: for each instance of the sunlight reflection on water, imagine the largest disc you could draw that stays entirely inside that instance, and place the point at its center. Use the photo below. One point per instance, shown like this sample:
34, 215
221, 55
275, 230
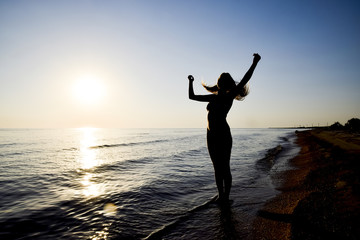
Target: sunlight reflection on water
90, 189
101, 234
89, 159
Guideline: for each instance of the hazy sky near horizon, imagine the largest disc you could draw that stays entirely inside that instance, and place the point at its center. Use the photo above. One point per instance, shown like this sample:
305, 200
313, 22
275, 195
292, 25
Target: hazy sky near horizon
125, 63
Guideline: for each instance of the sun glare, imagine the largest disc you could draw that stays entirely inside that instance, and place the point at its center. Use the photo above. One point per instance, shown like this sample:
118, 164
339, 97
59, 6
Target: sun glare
89, 90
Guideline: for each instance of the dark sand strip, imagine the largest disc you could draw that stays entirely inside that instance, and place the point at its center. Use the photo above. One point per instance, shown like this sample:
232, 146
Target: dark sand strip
320, 197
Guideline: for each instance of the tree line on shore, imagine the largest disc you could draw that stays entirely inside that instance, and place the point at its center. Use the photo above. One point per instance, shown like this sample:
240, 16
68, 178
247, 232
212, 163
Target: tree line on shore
352, 125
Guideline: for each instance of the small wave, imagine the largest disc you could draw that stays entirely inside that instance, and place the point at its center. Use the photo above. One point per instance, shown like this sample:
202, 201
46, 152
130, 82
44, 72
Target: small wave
158, 233
117, 166
285, 139
269, 160
24, 152
70, 149
11, 154
112, 145
125, 144
5, 145
189, 153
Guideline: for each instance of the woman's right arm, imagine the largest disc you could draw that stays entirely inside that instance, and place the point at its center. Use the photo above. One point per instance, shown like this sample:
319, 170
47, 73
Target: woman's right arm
193, 96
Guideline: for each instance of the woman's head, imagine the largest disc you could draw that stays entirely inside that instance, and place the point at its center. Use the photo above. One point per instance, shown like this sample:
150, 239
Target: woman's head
224, 84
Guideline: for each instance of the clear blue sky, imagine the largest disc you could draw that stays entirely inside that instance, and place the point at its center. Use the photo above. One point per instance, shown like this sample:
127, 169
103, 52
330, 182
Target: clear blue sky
140, 53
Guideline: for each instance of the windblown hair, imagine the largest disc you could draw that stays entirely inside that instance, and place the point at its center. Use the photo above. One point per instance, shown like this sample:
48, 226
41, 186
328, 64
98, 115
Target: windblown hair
226, 83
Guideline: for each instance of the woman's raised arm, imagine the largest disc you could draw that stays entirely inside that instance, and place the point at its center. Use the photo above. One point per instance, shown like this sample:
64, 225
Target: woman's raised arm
249, 73
193, 96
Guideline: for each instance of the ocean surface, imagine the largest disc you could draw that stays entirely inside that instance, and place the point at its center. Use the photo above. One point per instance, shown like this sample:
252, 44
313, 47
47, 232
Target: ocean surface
133, 183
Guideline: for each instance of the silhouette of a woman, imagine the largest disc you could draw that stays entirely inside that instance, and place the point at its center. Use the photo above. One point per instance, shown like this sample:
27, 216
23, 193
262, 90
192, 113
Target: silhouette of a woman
219, 140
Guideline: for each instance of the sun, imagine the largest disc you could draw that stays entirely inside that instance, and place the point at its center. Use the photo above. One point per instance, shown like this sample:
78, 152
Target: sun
88, 90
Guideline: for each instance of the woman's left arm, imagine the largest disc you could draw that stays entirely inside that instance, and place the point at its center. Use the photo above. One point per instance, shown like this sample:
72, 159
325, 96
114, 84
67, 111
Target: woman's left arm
249, 73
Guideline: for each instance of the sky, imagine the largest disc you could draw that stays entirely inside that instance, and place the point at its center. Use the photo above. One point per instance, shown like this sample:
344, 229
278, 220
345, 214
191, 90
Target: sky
124, 64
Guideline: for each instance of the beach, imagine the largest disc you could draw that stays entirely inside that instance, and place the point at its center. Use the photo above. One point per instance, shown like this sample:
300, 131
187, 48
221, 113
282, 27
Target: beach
319, 196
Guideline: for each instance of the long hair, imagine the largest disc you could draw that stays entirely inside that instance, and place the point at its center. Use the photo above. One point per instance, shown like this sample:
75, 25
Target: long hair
226, 83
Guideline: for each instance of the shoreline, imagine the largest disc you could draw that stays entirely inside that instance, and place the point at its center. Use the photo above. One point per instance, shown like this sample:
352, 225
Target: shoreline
320, 196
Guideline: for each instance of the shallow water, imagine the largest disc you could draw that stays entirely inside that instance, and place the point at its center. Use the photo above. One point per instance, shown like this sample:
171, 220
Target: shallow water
132, 183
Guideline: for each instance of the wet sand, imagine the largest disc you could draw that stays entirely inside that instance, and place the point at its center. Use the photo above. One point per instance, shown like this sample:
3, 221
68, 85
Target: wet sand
320, 196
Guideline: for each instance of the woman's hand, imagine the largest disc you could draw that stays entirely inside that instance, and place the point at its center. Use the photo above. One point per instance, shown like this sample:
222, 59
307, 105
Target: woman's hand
256, 58
191, 78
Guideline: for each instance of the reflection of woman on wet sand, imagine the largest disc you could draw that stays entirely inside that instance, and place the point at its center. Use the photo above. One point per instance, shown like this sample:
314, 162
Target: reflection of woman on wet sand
219, 138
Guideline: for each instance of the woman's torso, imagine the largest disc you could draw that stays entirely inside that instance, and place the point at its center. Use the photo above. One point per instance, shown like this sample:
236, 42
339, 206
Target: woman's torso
217, 113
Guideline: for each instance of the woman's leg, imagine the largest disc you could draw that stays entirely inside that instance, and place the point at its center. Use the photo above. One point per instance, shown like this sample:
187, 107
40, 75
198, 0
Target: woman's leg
226, 154
220, 150
213, 148
219, 179
223, 178
227, 181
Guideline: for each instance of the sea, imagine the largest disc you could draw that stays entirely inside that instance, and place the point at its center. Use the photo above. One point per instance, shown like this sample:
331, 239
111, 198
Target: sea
94, 184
